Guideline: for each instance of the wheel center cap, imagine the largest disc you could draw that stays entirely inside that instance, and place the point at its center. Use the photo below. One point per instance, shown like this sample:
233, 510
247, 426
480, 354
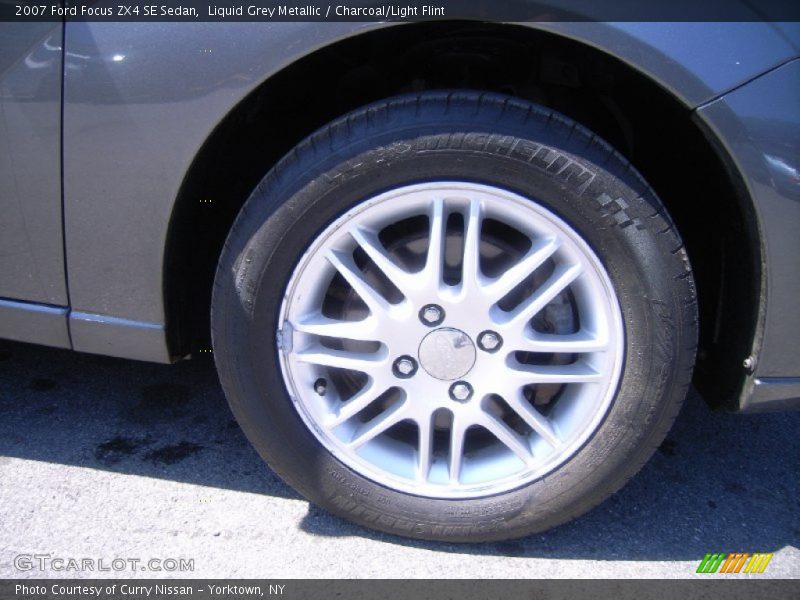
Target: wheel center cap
447, 353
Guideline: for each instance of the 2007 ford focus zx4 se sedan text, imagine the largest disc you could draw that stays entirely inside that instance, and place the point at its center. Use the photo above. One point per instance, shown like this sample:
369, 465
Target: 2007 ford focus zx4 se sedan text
457, 276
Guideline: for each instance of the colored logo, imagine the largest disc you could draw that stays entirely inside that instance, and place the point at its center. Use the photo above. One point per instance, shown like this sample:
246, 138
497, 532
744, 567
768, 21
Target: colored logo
735, 562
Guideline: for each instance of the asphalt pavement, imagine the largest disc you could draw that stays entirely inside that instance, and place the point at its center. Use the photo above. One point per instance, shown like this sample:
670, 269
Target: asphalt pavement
105, 459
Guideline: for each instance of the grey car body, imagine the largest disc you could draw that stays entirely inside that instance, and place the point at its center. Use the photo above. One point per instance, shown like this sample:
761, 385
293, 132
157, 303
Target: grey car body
126, 149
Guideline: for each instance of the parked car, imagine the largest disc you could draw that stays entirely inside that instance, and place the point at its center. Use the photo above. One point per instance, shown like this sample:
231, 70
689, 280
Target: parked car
457, 276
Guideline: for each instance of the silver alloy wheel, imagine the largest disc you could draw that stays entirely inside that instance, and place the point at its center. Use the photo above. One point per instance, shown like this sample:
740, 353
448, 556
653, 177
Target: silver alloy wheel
512, 381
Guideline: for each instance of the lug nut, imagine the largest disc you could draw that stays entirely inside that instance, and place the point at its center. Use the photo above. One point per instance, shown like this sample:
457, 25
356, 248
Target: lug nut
431, 315
461, 391
489, 341
405, 367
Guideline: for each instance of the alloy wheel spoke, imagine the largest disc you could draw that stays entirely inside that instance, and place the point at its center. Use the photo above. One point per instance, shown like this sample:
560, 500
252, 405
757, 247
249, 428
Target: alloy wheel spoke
344, 264
364, 362
434, 262
516, 274
470, 276
535, 420
574, 343
579, 372
561, 278
425, 447
365, 330
378, 425
508, 437
372, 247
366, 396
458, 431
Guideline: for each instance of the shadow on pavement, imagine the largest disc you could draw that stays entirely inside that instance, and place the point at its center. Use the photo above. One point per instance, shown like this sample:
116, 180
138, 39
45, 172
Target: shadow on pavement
719, 483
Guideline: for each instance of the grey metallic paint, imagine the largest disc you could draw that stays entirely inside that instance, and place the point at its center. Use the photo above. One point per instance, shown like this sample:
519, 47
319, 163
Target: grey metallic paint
118, 337
140, 100
132, 126
31, 244
35, 323
760, 126
135, 124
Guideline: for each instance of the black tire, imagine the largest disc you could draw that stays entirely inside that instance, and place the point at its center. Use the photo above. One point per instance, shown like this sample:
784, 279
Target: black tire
474, 137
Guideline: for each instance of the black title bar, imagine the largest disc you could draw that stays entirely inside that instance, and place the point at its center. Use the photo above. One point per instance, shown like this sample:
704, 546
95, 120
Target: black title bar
385, 10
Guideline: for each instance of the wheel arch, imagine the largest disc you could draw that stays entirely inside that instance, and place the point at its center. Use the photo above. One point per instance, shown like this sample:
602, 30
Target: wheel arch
601, 91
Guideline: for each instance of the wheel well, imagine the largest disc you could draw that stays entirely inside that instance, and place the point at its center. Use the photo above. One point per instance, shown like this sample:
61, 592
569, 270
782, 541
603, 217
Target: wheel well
643, 121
